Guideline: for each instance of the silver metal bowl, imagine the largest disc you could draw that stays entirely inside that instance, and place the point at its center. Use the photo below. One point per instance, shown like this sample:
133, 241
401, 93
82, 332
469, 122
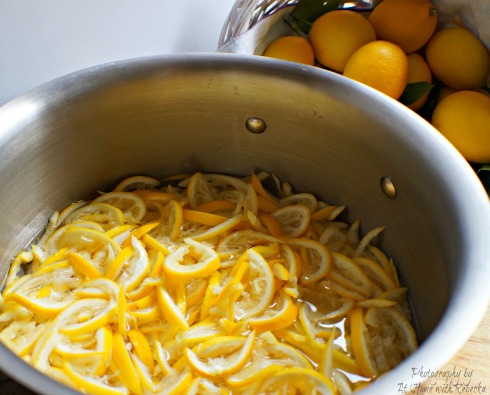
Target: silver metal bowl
324, 133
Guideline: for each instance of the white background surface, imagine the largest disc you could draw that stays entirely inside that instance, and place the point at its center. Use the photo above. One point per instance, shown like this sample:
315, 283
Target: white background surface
44, 39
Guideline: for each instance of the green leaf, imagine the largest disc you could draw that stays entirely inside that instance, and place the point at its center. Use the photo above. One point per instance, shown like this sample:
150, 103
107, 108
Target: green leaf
414, 92
484, 168
431, 103
307, 11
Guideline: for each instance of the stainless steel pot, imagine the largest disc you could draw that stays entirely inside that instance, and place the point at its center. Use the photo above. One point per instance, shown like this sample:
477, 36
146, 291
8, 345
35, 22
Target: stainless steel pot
157, 116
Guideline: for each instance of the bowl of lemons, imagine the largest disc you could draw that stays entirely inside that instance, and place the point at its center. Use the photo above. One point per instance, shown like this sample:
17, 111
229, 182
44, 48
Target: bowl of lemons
416, 52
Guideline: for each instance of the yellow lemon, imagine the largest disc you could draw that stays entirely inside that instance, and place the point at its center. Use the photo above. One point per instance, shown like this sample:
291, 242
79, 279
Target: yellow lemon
121, 356
85, 315
201, 332
20, 336
203, 217
219, 229
464, 119
282, 314
336, 35
293, 220
84, 266
381, 65
312, 322
298, 381
173, 216
350, 275
132, 206
260, 288
181, 265
270, 356
407, 23
222, 355
327, 213
389, 325
142, 348
170, 310
458, 58
136, 183
359, 334
235, 244
305, 199
315, 257
95, 245
198, 191
135, 268
103, 214
374, 271
175, 384
45, 294
255, 371
104, 345
292, 48
90, 384
139, 232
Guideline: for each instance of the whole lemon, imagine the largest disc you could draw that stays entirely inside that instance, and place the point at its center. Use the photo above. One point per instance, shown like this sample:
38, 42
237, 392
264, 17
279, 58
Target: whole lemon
464, 118
458, 58
407, 23
292, 48
336, 35
381, 65
418, 71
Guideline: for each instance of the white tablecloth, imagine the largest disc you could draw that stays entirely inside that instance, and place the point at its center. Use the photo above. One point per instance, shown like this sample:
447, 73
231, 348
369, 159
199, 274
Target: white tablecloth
44, 39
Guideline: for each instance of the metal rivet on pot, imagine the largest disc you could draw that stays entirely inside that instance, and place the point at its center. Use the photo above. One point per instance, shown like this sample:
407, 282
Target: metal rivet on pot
256, 125
388, 187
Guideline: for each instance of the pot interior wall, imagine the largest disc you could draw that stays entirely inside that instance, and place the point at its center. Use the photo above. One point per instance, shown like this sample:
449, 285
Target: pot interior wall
86, 134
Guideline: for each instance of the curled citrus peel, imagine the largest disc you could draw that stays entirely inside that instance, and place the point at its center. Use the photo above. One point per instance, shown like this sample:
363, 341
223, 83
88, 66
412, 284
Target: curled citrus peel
208, 285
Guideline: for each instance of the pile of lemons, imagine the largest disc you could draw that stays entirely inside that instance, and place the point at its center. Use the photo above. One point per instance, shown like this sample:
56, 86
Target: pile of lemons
399, 43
